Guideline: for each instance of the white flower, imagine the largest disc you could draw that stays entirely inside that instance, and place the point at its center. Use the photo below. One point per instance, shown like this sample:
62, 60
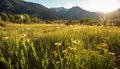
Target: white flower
5, 38
76, 41
27, 40
58, 44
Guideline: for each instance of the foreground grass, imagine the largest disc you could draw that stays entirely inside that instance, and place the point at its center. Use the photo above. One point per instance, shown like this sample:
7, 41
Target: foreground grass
59, 47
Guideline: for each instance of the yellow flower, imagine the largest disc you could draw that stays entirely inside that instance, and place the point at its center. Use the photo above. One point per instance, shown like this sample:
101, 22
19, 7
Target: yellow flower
111, 53
76, 41
99, 48
58, 44
84, 50
55, 53
27, 40
72, 48
64, 51
5, 38
57, 62
23, 35
106, 38
102, 45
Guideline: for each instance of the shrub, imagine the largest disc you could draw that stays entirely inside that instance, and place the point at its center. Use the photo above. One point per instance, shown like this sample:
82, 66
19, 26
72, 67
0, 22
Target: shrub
2, 24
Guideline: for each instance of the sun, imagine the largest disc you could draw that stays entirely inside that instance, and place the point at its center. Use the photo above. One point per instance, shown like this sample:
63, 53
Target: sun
101, 5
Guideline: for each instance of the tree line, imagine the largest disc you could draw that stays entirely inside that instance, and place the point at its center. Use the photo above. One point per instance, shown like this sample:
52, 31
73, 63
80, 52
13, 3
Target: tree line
19, 18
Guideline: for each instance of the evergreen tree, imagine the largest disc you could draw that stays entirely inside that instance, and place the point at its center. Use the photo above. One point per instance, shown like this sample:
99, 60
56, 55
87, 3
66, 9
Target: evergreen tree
4, 17
11, 18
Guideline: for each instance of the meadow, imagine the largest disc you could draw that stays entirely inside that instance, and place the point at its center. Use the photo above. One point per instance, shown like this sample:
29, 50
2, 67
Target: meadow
57, 46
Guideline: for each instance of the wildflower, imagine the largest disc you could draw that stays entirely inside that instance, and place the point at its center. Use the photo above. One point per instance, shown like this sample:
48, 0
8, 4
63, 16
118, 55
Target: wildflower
27, 40
5, 38
58, 44
57, 62
76, 41
67, 63
72, 48
69, 47
111, 53
106, 38
104, 45
98, 47
84, 50
55, 53
23, 35
67, 57
64, 51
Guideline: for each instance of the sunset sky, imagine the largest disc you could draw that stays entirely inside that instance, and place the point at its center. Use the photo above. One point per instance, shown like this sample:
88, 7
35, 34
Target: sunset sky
90, 5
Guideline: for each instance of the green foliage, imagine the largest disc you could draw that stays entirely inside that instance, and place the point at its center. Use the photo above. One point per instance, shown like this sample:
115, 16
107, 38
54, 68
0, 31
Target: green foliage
11, 18
4, 17
26, 18
116, 22
71, 22
35, 20
87, 21
20, 18
3, 24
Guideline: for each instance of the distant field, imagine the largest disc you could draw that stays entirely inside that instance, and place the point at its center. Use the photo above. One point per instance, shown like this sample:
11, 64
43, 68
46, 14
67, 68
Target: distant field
57, 46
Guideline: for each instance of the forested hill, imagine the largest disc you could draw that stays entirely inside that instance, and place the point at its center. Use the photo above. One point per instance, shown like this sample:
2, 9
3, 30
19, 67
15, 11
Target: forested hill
22, 7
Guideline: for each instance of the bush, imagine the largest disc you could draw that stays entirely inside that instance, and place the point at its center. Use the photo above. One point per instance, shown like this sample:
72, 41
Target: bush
116, 22
2, 24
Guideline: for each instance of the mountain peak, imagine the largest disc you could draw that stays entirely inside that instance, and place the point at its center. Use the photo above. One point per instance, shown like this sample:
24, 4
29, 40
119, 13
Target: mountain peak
74, 13
58, 9
76, 8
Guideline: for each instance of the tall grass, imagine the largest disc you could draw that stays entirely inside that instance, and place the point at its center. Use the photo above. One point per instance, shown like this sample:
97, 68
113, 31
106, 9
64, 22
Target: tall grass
59, 47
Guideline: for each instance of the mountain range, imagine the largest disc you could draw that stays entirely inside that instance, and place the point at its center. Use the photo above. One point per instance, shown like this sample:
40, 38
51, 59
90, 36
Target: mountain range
38, 10
74, 13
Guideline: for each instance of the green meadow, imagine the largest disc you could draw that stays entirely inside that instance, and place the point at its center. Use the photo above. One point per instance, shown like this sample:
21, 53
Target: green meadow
57, 46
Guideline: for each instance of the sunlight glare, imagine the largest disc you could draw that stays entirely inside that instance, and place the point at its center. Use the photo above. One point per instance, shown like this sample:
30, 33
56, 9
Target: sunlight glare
101, 5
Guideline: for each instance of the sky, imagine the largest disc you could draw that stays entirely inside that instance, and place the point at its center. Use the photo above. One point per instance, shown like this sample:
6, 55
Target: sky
90, 5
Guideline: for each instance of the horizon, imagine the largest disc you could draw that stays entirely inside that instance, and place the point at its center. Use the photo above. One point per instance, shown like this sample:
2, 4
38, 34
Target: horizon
89, 5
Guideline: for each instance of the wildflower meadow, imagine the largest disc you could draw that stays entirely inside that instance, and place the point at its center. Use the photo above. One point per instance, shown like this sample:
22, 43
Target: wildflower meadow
49, 46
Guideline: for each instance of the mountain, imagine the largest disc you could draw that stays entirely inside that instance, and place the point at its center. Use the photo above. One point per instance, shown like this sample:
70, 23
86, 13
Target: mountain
74, 13
37, 10
59, 9
21, 7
